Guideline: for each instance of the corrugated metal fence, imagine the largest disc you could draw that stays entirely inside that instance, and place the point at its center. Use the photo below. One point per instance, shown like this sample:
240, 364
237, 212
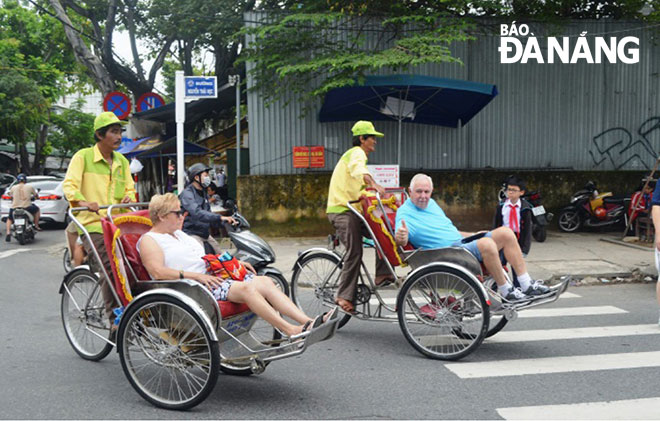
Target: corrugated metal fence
547, 116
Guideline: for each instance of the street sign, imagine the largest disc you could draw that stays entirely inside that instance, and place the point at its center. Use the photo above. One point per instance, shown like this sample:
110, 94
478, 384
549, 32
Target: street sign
148, 101
197, 87
118, 103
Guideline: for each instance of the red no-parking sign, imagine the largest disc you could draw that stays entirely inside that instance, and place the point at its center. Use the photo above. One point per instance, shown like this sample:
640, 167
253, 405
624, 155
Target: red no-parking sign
118, 103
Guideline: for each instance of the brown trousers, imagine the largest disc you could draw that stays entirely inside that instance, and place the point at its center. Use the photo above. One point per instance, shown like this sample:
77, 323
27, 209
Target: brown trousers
108, 297
350, 231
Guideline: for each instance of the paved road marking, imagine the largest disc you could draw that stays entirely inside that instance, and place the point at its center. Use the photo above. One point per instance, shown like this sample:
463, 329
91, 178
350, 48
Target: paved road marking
392, 300
633, 409
570, 311
520, 367
12, 252
574, 333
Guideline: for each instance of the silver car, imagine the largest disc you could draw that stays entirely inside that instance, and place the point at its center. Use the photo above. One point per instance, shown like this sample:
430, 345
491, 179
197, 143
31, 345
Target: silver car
51, 199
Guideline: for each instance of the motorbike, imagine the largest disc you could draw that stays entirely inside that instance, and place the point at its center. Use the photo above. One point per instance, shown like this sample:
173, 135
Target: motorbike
23, 228
540, 218
591, 209
253, 249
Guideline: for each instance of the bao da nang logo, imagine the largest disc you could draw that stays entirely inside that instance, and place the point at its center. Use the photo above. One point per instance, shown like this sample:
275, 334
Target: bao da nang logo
519, 45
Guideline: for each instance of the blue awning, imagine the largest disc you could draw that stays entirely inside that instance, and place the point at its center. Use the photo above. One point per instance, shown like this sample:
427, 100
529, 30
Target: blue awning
408, 98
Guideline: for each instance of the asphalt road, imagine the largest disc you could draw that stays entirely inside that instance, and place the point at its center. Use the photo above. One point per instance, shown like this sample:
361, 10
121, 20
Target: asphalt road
367, 370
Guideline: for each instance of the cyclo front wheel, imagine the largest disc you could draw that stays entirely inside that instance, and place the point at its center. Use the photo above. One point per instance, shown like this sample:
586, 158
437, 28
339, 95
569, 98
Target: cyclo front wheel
314, 283
167, 353
83, 315
443, 312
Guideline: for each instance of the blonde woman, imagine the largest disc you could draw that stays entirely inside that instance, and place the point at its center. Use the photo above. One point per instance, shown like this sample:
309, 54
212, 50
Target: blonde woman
169, 253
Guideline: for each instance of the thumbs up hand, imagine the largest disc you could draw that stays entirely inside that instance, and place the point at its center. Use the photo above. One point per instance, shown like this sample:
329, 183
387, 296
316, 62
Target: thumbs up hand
401, 235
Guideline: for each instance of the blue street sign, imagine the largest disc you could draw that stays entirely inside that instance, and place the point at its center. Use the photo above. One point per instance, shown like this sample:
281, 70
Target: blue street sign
200, 87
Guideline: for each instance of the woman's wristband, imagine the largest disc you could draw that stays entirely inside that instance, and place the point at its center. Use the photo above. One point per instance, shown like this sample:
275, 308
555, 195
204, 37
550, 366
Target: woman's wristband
181, 274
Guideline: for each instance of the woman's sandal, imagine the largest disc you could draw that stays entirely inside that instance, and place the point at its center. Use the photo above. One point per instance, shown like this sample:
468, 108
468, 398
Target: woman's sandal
307, 327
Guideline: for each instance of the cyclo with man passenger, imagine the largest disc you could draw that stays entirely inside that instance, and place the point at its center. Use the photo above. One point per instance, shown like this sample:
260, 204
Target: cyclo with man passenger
457, 292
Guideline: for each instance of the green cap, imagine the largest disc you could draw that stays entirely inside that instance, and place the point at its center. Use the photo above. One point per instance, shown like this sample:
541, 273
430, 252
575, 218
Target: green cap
365, 128
107, 118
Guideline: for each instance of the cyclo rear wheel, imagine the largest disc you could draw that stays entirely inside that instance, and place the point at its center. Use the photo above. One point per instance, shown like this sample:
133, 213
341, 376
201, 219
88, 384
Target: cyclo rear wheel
167, 353
314, 283
83, 315
443, 312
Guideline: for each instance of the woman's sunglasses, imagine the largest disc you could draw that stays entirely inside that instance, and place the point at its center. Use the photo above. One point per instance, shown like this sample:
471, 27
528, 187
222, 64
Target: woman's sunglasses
179, 212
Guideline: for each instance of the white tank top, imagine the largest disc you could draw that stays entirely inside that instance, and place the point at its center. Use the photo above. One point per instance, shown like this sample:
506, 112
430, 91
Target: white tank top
180, 252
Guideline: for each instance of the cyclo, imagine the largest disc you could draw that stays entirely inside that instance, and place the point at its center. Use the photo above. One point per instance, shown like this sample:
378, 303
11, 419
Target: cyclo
446, 305
173, 337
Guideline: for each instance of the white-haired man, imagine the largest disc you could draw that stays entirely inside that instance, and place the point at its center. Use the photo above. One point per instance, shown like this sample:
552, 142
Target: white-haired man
422, 222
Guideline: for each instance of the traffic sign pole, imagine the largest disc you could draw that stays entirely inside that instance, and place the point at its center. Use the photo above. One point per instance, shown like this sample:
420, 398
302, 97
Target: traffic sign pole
180, 118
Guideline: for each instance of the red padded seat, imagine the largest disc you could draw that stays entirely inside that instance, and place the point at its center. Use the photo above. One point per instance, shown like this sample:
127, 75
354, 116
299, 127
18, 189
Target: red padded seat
228, 309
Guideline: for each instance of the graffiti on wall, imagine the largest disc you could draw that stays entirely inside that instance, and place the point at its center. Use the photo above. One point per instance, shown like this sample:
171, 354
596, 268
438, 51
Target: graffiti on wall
617, 148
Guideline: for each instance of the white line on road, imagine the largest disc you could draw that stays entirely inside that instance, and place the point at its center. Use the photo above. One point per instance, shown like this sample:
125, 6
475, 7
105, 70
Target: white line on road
633, 409
573, 333
392, 300
12, 252
577, 363
570, 311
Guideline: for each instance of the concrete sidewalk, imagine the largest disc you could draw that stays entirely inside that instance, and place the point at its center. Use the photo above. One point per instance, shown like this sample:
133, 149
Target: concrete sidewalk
597, 255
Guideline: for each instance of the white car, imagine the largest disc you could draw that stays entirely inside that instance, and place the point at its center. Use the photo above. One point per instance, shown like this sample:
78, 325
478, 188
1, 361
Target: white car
51, 199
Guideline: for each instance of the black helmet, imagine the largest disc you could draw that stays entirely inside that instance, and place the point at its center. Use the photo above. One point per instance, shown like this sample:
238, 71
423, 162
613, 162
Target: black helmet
21, 177
196, 169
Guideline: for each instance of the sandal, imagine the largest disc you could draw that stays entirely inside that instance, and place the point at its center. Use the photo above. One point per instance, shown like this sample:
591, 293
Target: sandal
307, 327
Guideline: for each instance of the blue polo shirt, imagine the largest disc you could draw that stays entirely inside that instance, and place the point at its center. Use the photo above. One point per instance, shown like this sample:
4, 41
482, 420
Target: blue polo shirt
427, 228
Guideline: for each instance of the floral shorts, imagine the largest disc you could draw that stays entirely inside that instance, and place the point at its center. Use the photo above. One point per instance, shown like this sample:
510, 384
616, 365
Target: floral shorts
221, 292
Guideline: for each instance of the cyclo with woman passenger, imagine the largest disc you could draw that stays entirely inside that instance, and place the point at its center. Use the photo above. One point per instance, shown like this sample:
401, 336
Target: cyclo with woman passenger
182, 316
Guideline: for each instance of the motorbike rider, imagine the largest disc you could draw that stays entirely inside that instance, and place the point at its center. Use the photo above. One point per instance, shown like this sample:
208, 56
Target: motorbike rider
22, 194
195, 201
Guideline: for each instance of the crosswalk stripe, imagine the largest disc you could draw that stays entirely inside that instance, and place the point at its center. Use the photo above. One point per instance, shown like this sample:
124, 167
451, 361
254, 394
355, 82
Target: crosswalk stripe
392, 300
632, 409
570, 311
577, 363
573, 333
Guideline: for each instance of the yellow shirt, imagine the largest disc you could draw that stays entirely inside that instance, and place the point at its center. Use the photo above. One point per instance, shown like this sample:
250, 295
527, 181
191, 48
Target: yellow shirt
347, 180
21, 195
90, 179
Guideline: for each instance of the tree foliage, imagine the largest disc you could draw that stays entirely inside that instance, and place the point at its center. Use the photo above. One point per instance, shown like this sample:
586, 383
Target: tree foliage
72, 129
36, 68
309, 48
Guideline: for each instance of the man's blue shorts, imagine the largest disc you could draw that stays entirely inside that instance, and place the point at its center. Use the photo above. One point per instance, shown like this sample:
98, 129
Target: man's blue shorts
472, 246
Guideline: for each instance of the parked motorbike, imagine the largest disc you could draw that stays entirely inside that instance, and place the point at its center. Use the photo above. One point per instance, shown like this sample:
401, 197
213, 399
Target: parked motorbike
253, 249
23, 228
589, 208
540, 218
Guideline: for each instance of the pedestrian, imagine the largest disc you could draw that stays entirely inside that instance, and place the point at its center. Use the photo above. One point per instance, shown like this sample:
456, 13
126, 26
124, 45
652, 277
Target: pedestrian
515, 213
655, 215
100, 176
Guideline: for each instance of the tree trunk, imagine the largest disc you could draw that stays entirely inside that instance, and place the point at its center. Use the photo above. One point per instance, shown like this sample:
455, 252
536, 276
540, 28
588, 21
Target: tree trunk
24, 159
37, 165
95, 67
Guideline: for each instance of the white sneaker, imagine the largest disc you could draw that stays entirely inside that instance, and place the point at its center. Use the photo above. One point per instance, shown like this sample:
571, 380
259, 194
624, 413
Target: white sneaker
514, 295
